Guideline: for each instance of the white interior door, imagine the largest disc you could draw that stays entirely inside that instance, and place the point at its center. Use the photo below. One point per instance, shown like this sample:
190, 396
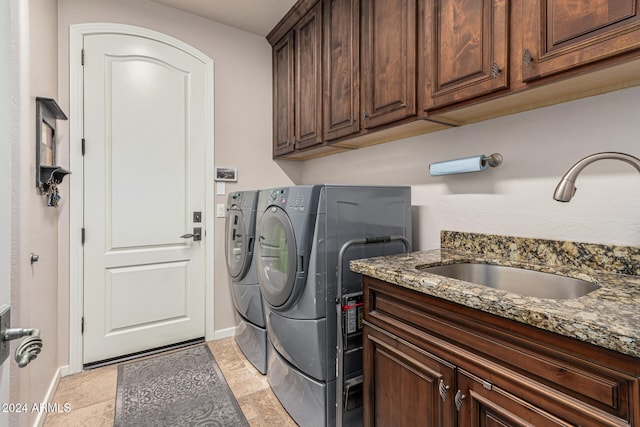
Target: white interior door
144, 176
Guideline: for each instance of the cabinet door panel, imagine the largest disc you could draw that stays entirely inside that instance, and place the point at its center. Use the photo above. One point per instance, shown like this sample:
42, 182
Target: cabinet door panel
389, 61
467, 49
574, 19
342, 68
308, 104
283, 97
407, 384
481, 404
562, 34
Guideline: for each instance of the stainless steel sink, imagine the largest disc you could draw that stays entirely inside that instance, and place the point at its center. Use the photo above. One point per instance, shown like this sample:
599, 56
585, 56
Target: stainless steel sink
517, 280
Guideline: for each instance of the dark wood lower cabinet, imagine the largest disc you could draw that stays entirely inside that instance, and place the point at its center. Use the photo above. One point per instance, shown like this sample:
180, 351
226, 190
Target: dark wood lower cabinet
431, 362
411, 386
482, 404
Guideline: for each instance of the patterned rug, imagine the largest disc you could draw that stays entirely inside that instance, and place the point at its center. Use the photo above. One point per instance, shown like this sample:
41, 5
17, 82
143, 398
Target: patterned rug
183, 388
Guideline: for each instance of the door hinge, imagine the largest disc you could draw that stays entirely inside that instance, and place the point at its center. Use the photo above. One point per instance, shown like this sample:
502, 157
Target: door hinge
83, 235
82, 57
83, 146
82, 325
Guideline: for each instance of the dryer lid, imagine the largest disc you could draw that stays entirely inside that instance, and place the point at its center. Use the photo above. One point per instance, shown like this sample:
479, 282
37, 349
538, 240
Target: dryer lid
276, 258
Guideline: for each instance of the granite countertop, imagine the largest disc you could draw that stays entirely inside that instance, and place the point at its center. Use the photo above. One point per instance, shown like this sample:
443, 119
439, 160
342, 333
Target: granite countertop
608, 317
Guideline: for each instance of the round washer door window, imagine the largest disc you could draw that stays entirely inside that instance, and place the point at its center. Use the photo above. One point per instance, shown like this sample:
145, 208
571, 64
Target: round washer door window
237, 244
276, 257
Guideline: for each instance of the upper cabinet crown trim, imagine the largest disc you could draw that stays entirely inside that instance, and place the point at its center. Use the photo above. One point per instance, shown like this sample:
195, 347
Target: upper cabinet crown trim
290, 19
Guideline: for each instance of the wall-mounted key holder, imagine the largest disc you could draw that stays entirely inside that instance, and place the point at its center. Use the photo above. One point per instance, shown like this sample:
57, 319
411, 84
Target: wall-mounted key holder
48, 173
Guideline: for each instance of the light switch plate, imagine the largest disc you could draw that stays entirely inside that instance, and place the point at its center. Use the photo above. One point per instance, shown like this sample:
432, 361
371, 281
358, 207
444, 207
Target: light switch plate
220, 189
5, 323
221, 210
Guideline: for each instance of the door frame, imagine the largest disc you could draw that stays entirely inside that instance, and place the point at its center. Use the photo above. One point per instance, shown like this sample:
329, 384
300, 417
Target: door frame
76, 187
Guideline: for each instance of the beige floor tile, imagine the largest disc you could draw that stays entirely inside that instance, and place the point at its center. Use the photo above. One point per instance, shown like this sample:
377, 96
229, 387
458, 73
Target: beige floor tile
87, 388
91, 394
96, 415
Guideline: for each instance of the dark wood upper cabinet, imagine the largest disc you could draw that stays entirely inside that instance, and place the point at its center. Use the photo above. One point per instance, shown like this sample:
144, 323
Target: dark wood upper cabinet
389, 67
297, 83
308, 53
466, 49
562, 34
283, 95
341, 68
353, 73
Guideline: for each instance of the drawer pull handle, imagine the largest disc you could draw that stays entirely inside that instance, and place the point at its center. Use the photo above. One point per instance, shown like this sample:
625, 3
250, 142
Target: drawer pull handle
443, 390
459, 399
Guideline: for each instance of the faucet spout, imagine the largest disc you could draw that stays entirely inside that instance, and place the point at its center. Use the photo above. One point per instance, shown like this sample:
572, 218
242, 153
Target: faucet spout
567, 186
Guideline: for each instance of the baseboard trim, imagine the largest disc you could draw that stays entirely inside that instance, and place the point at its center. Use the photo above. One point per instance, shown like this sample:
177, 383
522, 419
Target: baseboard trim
48, 397
224, 333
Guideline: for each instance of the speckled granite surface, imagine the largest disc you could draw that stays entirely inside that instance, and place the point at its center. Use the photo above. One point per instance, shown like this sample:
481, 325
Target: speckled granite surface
607, 317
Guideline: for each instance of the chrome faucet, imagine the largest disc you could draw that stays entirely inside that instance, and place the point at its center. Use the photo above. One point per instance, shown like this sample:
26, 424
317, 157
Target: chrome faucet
567, 186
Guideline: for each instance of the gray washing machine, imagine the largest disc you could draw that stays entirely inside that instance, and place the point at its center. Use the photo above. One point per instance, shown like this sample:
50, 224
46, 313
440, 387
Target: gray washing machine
251, 334
301, 232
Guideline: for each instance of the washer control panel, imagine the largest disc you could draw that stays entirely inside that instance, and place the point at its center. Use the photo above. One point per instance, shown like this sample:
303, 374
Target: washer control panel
243, 200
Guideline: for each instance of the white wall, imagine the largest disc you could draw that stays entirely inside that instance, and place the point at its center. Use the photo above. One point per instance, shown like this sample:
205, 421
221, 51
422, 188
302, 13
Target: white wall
516, 198
242, 90
34, 226
6, 147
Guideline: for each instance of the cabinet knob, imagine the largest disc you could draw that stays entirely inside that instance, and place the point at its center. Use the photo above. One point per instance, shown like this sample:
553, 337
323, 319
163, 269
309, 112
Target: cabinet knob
495, 70
527, 58
459, 399
443, 389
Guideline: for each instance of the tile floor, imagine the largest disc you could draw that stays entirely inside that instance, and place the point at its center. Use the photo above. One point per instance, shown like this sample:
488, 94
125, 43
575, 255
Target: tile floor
91, 394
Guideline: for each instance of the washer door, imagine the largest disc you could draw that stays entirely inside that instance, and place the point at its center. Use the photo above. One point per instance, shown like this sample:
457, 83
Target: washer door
238, 250
276, 257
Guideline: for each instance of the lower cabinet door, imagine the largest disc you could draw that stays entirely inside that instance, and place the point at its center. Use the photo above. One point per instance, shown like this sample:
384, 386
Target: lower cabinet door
481, 404
404, 385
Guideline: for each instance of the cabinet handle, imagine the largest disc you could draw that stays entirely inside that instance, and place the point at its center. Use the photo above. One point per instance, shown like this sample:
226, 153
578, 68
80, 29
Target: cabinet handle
443, 389
527, 58
495, 70
458, 399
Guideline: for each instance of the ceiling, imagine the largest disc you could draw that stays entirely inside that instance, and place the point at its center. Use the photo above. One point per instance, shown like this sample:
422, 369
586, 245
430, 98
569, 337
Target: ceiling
255, 16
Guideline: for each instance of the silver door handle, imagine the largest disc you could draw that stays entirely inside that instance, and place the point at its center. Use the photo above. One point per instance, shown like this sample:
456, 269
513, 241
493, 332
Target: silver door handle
196, 235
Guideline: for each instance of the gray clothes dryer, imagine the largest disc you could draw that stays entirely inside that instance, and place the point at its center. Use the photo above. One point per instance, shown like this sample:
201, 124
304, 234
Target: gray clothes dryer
300, 233
251, 334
